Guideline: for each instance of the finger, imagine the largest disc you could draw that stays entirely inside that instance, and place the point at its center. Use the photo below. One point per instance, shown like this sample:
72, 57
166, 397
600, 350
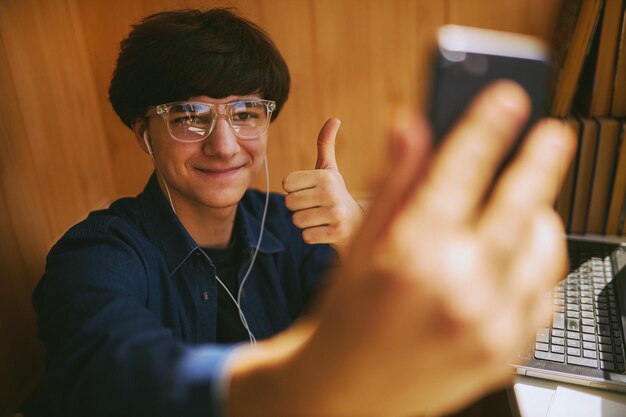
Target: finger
409, 150
529, 184
464, 167
318, 234
539, 265
301, 180
326, 145
304, 199
316, 216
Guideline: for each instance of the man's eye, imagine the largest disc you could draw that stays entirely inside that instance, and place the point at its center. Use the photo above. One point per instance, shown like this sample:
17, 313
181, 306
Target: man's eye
245, 116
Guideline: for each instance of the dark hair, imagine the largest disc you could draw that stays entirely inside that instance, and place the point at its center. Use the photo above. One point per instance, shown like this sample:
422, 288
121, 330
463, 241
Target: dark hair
175, 55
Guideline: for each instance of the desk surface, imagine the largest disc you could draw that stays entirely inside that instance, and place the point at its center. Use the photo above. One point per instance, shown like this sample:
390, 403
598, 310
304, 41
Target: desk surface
542, 398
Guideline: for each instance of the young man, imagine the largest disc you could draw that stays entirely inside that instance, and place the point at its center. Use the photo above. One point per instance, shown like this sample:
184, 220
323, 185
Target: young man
197, 257
142, 304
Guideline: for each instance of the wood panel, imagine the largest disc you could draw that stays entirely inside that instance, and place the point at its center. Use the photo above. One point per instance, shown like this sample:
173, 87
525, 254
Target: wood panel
64, 152
53, 161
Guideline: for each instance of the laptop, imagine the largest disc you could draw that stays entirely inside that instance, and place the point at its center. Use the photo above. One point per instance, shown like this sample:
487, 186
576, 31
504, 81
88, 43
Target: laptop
584, 343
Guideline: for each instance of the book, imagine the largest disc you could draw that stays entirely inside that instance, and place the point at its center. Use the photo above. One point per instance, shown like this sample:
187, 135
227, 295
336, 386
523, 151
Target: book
617, 206
573, 37
585, 160
595, 88
619, 86
566, 195
608, 132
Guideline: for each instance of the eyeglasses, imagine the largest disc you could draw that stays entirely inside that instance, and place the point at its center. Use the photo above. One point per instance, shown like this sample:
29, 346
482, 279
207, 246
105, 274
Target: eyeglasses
192, 121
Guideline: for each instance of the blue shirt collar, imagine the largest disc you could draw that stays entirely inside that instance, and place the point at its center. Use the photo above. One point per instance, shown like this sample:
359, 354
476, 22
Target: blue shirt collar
168, 233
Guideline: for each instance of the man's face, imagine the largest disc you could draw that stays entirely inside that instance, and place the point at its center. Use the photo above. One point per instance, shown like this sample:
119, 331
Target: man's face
211, 173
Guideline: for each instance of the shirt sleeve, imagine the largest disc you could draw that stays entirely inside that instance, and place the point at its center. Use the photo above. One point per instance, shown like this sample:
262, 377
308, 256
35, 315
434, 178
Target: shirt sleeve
106, 353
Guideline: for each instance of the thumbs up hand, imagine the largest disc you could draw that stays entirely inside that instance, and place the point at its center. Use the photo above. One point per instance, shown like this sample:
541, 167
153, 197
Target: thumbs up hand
321, 204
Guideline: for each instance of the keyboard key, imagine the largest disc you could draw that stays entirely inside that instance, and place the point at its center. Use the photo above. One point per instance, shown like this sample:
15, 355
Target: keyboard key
590, 330
575, 360
573, 325
557, 349
552, 357
588, 322
603, 320
607, 357
589, 345
558, 321
573, 351
607, 366
587, 314
589, 338
605, 348
573, 343
619, 367
558, 341
558, 333
575, 314
604, 330
590, 354
543, 335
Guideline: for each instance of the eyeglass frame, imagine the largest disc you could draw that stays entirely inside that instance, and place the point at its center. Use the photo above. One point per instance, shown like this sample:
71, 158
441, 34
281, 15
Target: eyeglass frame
222, 108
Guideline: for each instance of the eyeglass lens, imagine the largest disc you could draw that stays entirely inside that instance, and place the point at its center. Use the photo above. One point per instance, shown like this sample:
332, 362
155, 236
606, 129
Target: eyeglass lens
194, 121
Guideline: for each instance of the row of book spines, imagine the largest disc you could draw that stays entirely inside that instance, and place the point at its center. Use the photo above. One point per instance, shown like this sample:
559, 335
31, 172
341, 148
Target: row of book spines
591, 200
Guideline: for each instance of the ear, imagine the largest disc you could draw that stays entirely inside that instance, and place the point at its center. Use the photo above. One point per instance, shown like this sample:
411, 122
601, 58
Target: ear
140, 127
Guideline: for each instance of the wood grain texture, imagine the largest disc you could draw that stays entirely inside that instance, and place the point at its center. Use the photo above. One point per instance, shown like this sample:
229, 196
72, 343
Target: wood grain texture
63, 152
54, 165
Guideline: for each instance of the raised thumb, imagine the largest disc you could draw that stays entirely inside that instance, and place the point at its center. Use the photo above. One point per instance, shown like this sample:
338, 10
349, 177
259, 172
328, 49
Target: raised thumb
326, 145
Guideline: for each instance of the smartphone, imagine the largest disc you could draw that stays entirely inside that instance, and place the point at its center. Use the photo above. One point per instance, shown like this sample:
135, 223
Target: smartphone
467, 59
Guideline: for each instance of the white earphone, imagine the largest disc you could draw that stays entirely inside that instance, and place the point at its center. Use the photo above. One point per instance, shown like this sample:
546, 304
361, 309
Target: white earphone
145, 140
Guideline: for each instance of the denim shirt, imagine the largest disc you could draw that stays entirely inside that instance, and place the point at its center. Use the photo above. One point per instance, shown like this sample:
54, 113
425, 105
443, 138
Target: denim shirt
127, 306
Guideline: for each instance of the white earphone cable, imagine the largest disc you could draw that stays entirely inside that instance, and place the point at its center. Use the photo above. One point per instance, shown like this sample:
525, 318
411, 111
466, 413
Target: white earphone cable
237, 301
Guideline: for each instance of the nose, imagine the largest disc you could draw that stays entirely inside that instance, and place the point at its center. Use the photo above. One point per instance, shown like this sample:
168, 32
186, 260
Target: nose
222, 142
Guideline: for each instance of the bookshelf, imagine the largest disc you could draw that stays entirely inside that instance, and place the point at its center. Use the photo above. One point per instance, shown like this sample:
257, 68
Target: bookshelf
589, 94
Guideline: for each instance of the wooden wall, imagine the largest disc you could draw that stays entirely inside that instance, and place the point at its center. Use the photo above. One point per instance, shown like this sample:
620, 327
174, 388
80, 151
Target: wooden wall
63, 152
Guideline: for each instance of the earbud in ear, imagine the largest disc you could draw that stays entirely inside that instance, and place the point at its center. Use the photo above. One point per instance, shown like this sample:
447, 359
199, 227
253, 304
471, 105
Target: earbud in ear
145, 140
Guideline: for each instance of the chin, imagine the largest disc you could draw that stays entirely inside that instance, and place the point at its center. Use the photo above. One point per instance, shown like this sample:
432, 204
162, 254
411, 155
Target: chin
223, 201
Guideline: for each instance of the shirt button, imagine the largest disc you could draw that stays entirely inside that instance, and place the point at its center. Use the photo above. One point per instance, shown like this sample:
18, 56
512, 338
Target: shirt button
205, 296
198, 252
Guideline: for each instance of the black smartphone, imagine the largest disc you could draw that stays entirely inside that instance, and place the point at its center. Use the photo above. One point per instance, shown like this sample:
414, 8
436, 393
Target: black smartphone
467, 59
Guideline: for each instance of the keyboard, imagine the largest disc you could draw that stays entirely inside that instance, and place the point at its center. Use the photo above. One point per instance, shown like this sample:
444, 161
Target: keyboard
586, 325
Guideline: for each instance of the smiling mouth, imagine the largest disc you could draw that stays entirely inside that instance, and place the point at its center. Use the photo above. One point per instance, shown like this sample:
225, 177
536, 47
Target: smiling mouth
218, 171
